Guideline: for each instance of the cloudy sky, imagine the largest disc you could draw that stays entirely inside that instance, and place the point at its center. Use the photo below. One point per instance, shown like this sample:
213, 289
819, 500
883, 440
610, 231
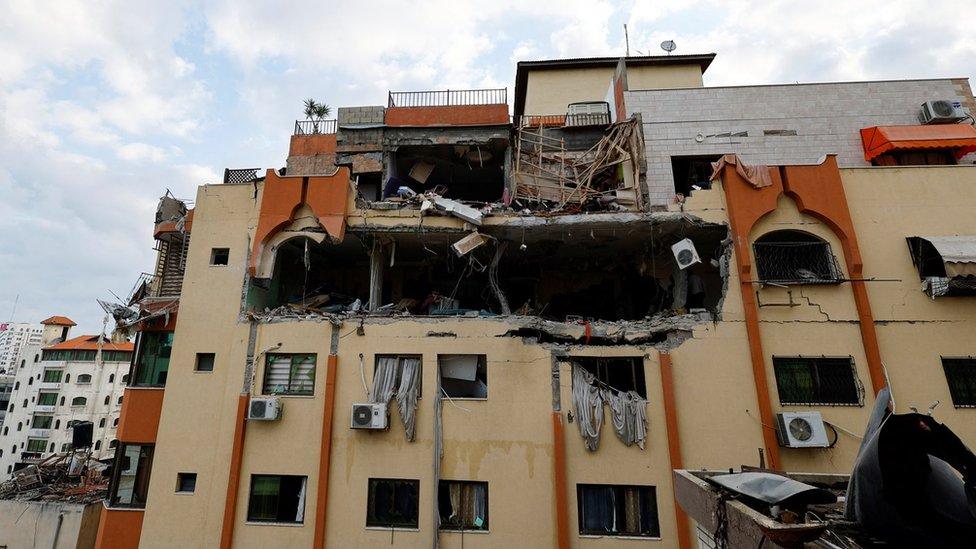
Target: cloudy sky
105, 105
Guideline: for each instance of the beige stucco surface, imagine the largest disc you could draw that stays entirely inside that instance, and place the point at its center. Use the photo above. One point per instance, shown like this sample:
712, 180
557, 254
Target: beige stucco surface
506, 440
550, 91
48, 524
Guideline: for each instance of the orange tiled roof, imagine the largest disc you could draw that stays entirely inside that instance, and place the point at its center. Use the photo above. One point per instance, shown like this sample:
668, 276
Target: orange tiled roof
90, 343
59, 321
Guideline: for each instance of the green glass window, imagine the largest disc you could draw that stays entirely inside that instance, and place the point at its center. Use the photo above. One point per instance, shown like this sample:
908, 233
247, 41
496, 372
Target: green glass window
47, 399
53, 376
393, 503
277, 498
36, 445
961, 377
42, 422
153, 362
289, 374
817, 381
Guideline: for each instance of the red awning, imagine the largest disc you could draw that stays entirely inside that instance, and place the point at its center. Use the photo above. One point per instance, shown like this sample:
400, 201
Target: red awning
877, 140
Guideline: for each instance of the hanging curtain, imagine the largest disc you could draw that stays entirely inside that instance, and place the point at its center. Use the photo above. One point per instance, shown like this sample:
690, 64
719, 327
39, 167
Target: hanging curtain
599, 509
407, 394
588, 401
628, 414
479, 493
384, 380
300, 514
632, 514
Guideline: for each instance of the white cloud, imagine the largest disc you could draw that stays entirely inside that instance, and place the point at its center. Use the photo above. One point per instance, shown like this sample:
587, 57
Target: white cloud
141, 152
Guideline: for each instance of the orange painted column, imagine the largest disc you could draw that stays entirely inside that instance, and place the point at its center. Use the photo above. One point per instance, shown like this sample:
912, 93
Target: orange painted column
325, 454
869, 336
559, 480
751, 311
674, 443
234, 475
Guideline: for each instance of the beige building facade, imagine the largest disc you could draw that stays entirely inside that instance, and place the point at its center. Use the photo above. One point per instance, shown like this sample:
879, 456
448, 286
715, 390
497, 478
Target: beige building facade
808, 298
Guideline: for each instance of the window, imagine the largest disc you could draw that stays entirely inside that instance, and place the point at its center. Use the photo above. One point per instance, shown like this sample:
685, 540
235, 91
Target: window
289, 374
219, 256
30, 381
61, 402
186, 482
115, 422
400, 362
20, 425
961, 376
36, 445
42, 422
111, 378
125, 378
52, 376
277, 498
620, 373
52, 448
67, 378
16, 386
113, 443
795, 257
941, 277
692, 173
101, 422
98, 445
84, 379
153, 362
57, 424
463, 505
392, 503
817, 380
205, 362
79, 401
615, 510
108, 398
464, 376
130, 480
47, 399
119, 401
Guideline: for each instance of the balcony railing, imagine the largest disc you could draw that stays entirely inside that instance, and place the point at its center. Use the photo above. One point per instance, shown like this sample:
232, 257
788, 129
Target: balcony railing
449, 98
315, 127
241, 175
39, 433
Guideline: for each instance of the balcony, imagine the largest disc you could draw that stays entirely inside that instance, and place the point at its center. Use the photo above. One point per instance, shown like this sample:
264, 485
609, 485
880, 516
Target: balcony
39, 433
448, 108
315, 127
44, 408
49, 386
313, 137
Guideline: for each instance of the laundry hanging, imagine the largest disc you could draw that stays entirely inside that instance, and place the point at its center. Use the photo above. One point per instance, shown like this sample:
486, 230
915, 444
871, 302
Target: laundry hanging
628, 411
399, 377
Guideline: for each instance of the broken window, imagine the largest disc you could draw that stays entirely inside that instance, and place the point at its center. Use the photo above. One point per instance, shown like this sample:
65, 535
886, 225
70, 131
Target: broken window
130, 477
463, 504
795, 257
152, 364
818, 381
617, 510
961, 377
399, 376
392, 503
219, 256
289, 374
692, 173
460, 172
464, 376
277, 498
186, 483
623, 374
946, 265
204, 363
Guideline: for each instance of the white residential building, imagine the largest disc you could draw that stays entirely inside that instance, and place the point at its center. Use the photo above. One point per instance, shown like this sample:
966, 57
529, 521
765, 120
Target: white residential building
6, 387
76, 380
13, 338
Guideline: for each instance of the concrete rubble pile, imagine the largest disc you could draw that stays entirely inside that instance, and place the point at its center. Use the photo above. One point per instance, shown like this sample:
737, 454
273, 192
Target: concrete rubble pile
63, 477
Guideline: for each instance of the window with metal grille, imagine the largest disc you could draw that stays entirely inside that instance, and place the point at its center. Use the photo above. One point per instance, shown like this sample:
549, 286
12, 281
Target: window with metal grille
795, 257
393, 503
289, 374
961, 377
818, 381
617, 510
463, 505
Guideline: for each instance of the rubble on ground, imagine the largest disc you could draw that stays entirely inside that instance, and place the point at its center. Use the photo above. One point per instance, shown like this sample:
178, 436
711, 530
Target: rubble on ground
65, 477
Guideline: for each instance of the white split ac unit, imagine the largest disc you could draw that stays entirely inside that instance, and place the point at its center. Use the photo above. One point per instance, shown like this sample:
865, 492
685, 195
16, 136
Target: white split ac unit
943, 111
801, 430
685, 253
368, 416
264, 409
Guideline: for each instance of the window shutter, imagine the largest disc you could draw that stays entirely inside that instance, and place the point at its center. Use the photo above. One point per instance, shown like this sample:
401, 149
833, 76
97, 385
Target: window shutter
276, 374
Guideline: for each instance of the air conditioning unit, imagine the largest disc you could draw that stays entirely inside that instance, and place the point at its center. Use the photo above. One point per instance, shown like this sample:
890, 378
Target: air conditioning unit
801, 430
943, 111
368, 416
264, 409
685, 253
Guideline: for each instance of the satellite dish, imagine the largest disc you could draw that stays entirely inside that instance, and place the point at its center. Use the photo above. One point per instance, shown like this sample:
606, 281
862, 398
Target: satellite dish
669, 46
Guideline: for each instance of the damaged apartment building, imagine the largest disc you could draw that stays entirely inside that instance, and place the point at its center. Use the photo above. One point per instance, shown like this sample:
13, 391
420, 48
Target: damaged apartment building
443, 324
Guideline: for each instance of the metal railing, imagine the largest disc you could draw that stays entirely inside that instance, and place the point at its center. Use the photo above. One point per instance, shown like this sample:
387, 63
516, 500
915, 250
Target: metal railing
315, 127
241, 175
449, 98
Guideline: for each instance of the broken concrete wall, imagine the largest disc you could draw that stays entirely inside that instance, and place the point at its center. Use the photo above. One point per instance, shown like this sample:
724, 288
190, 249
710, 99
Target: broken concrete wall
48, 524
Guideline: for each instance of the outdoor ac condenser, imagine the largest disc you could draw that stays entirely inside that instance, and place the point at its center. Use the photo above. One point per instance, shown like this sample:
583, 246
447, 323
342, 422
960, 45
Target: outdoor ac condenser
685, 253
801, 430
368, 416
264, 409
942, 111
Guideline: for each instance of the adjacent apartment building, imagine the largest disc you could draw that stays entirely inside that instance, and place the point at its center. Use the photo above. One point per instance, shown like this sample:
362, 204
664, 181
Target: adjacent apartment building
61, 382
440, 325
14, 336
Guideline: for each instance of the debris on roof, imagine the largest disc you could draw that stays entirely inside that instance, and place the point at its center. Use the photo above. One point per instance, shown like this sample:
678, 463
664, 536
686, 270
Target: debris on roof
71, 477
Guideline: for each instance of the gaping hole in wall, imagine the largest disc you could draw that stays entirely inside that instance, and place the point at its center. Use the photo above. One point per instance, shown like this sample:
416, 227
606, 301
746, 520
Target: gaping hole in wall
369, 186
795, 257
620, 373
562, 272
326, 276
460, 172
692, 173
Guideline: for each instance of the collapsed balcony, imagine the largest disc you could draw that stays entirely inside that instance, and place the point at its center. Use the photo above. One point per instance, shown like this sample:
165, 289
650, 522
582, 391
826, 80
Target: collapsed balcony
569, 270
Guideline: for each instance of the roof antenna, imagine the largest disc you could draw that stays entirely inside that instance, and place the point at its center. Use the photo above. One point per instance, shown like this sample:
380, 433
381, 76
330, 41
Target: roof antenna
627, 39
669, 46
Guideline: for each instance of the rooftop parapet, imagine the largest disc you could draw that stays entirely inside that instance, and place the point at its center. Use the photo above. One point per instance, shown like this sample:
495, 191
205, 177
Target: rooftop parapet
448, 108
